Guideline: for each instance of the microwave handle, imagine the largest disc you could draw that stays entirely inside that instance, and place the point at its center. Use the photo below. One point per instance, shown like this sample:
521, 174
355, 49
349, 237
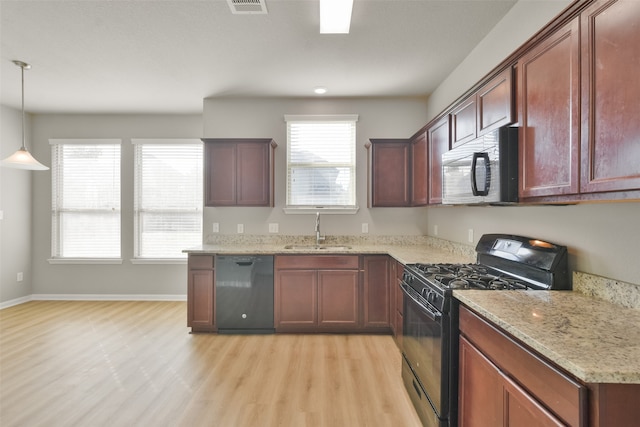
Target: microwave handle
487, 167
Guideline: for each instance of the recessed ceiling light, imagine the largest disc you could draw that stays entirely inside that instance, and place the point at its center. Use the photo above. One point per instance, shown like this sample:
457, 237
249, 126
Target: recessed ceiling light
335, 16
320, 90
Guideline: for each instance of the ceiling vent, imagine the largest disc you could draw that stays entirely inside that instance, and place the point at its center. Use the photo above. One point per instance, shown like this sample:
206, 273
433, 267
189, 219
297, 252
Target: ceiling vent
240, 7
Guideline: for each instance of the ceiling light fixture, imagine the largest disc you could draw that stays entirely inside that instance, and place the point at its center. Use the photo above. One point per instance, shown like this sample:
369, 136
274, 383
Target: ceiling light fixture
335, 16
22, 159
320, 90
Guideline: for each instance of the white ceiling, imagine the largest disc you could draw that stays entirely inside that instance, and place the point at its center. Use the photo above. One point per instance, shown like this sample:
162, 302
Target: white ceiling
165, 56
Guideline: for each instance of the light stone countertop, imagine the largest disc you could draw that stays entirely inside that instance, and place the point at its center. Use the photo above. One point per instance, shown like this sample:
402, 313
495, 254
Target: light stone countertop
406, 254
595, 340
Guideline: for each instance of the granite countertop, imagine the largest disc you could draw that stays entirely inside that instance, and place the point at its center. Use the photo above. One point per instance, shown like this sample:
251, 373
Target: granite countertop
406, 254
595, 340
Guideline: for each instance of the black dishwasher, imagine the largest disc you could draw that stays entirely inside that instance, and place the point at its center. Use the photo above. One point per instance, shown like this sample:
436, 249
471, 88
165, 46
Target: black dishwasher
244, 294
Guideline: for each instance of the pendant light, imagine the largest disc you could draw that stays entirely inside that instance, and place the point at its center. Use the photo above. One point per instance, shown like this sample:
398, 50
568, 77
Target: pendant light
22, 159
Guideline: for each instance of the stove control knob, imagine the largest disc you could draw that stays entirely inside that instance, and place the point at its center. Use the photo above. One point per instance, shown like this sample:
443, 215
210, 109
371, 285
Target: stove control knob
432, 297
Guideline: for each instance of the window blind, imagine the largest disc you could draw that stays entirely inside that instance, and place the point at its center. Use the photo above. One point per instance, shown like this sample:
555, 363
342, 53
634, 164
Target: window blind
321, 161
86, 199
168, 197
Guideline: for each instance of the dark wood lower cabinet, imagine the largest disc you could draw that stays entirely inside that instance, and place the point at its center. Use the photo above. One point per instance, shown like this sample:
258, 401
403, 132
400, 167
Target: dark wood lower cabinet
376, 292
489, 398
338, 299
504, 383
201, 294
325, 293
296, 299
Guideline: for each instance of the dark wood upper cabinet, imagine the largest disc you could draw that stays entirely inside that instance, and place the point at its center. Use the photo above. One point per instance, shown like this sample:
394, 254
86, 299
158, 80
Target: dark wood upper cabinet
238, 172
439, 137
419, 170
610, 149
391, 172
495, 103
548, 95
488, 108
463, 121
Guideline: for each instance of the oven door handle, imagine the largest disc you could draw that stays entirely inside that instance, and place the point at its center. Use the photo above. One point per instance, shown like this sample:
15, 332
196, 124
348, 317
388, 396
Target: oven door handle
433, 315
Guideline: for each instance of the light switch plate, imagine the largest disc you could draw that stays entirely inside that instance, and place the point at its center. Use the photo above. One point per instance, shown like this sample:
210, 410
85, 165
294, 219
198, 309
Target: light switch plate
365, 227
216, 227
273, 227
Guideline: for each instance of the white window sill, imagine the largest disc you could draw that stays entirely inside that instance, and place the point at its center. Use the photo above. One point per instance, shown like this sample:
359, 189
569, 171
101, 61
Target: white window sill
158, 261
85, 261
333, 210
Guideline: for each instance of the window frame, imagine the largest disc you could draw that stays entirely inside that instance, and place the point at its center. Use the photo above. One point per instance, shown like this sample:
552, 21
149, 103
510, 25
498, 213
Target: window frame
137, 257
337, 209
56, 258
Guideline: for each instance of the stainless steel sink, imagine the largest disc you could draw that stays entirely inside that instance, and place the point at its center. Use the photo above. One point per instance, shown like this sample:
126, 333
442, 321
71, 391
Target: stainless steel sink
317, 247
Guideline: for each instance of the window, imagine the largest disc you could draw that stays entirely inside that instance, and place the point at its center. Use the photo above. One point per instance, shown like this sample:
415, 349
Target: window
86, 199
168, 197
321, 161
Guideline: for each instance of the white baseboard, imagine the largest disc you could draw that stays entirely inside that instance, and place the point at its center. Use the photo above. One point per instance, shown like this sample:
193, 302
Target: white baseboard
15, 301
92, 297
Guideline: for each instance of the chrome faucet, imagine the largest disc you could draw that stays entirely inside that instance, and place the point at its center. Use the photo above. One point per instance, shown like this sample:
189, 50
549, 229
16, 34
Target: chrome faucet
319, 238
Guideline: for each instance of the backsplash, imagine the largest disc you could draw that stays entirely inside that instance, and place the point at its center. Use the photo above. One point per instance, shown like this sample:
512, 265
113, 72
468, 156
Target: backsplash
614, 291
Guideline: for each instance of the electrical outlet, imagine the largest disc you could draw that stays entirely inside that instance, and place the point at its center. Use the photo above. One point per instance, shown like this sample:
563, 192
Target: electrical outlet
470, 236
20, 277
1, 214
365, 227
273, 227
240, 228
435, 230
216, 227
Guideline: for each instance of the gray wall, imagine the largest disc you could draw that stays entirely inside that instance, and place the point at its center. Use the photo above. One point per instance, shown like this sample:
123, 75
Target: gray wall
264, 118
604, 239
15, 202
124, 279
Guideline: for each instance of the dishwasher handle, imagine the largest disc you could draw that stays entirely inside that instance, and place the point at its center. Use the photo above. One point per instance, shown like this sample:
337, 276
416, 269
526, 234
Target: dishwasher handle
244, 263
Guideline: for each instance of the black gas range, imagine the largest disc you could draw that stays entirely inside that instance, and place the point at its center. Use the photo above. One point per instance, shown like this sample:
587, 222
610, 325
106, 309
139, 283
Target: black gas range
430, 324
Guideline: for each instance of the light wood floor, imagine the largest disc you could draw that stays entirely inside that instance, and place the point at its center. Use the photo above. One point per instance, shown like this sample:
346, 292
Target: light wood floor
70, 363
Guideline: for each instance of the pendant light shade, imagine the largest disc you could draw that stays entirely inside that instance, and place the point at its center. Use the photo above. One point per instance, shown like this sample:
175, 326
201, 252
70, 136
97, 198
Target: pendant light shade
22, 159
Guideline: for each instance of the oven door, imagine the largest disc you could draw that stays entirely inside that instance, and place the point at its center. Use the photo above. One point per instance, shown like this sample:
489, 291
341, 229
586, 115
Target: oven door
425, 345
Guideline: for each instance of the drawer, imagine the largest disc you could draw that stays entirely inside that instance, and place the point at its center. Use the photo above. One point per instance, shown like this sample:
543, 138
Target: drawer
201, 262
340, 262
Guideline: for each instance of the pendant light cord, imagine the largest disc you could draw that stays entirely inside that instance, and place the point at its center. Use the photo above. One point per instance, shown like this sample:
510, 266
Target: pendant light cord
23, 129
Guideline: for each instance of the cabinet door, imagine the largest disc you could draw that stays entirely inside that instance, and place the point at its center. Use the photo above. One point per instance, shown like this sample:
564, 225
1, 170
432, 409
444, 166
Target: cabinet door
521, 409
200, 297
495, 103
253, 174
419, 170
338, 298
480, 391
488, 398
295, 298
390, 173
439, 136
610, 96
376, 291
220, 174
548, 92
463, 121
